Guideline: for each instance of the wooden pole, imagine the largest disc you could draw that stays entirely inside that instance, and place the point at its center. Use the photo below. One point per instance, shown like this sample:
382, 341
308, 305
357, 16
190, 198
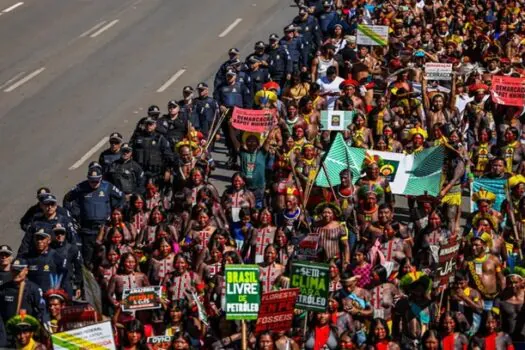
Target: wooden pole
244, 335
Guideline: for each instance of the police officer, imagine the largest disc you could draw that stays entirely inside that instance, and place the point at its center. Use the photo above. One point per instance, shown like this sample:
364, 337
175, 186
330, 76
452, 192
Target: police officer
220, 76
151, 149
260, 53
47, 219
91, 202
327, 18
72, 281
46, 266
279, 61
309, 28
187, 106
111, 154
153, 112
259, 74
295, 47
206, 107
174, 125
26, 220
31, 299
232, 94
126, 174
6, 258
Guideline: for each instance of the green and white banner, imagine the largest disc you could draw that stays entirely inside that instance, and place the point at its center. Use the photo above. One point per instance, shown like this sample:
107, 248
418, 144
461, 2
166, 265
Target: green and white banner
372, 35
408, 174
242, 292
97, 337
313, 281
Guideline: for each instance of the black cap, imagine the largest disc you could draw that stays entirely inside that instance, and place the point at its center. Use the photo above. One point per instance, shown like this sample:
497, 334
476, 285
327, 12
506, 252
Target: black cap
94, 164
126, 147
42, 191
274, 37
233, 51
253, 60
42, 233
48, 199
172, 104
19, 264
231, 72
289, 28
94, 174
59, 227
153, 110
260, 45
149, 120
187, 89
327, 3
6, 249
115, 137
303, 10
202, 86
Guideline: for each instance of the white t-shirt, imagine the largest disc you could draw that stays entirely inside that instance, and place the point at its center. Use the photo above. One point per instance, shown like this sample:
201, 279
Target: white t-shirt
327, 86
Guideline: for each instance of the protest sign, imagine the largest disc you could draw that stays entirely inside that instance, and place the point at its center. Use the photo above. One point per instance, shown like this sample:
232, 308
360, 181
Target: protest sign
252, 120
438, 71
78, 316
159, 342
276, 310
409, 174
313, 280
97, 336
308, 248
336, 120
372, 35
509, 91
144, 298
496, 186
200, 308
447, 256
242, 292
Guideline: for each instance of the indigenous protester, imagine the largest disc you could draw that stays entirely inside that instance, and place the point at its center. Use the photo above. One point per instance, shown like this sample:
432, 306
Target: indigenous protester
381, 173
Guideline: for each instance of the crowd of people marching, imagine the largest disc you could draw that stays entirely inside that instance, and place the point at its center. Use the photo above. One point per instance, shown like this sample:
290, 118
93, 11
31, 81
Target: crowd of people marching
148, 213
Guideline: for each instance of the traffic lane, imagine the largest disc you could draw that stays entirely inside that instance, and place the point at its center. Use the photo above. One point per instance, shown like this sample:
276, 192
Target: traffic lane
42, 136
37, 29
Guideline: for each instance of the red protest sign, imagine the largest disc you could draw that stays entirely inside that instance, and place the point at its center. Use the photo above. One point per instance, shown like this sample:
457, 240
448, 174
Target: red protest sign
252, 120
276, 310
509, 91
448, 254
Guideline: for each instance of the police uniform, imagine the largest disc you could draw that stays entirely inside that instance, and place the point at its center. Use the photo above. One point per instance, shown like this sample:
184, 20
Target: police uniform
206, 108
153, 152
295, 47
45, 267
280, 64
73, 278
128, 176
106, 158
258, 77
173, 130
92, 207
310, 32
327, 19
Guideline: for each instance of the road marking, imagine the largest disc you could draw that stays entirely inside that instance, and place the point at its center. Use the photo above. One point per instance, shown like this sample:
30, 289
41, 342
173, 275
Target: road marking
171, 80
230, 27
11, 8
25, 79
11, 80
89, 153
103, 29
92, 29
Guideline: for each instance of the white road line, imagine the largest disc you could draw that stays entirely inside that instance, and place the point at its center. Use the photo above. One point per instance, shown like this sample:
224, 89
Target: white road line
103, 29
11, 8
25, 79
92, 29
230, 27
89, 153
171, 80
11, 80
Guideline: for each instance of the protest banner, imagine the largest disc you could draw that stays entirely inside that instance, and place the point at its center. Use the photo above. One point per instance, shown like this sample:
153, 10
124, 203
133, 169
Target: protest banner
313, 280
336, 120
200, 308
159, 342
408, 174
97, 336
509, 91
252, 120
438, 71
372, 35
276, 310
144, 298
78, 316
496, 186
308, 248
447, 257
242, 292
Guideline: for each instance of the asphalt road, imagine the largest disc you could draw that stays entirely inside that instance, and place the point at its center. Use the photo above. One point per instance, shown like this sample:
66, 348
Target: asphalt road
72, 72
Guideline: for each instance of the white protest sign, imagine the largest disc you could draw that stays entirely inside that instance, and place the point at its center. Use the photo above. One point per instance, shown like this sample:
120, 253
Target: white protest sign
438, 71
97, 336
